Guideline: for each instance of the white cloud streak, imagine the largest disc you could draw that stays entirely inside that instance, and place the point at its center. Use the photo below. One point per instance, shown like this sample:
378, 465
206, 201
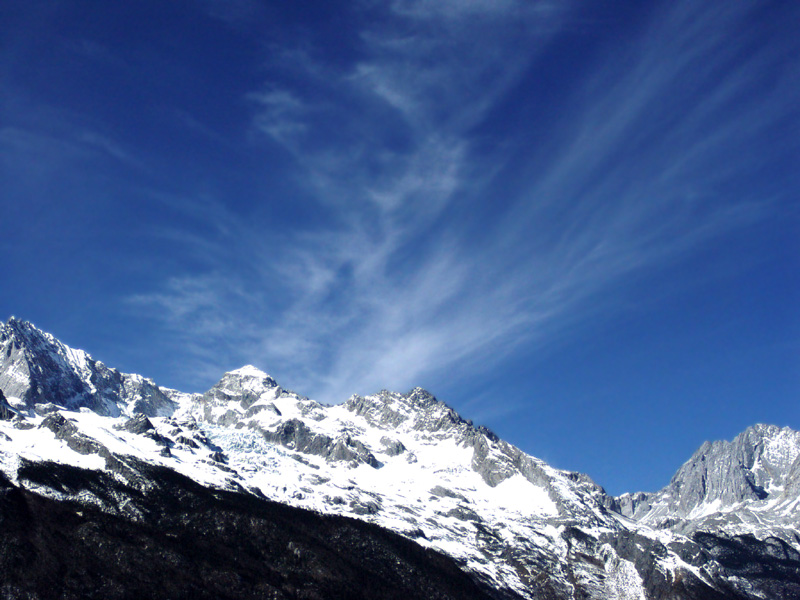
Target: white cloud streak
39, 153
401, 286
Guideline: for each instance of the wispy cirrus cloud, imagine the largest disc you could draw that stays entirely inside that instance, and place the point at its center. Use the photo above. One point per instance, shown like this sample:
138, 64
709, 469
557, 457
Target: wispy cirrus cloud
43, 150
281, 115
237, 13
430, 260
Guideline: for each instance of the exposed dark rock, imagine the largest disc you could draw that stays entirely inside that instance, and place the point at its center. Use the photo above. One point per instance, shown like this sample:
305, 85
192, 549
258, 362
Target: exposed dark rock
20, 422
156, 437
463, 513
221, 466
771, 565
47, 408
317, 480
348, 449
6, 412
443, 492
139, 424
198, 543
791, 488
379, 411
257, 408
187, 441
56, 423
392, 447
367, 507
67, 431
295, 435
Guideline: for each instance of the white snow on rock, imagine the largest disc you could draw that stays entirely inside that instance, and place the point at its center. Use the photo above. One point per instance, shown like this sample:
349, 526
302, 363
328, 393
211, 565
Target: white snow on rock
407, 462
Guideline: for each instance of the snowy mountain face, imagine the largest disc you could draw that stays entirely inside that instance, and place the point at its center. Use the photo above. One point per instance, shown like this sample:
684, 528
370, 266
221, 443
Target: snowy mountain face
38, 369
725, 527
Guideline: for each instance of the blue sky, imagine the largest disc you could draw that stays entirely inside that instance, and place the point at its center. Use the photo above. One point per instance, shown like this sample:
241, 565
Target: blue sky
575, 222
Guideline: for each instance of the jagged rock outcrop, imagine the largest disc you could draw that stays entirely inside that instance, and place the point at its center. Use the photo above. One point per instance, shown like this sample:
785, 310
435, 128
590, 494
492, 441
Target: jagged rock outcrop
68, 432
35, 368
761, 463
737, 504
138, 424
294, 434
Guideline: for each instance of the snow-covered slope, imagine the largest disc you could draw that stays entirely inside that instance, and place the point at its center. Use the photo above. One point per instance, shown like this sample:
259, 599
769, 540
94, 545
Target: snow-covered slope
406, 462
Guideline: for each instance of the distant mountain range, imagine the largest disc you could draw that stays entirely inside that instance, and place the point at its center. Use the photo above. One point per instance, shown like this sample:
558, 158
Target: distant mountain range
114, 487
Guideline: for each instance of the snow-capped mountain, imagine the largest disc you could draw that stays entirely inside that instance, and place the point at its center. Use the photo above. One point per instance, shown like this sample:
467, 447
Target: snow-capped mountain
748, 489
725, 527
38, 369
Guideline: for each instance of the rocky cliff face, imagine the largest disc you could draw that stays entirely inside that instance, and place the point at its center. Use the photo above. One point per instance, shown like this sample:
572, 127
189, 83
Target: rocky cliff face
35, 368
757, 471
725, 527
739, 501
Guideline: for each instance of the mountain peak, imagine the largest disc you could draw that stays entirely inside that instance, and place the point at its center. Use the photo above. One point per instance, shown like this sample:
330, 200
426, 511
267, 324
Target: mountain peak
249, 371
246, 378
757, 465
36, 368
21, 327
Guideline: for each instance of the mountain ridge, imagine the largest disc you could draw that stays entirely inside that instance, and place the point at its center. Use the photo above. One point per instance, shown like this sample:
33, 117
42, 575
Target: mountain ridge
411, 464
